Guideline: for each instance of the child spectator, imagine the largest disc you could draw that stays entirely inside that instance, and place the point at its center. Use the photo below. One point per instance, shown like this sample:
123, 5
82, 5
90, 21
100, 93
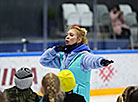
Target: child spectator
51, 89
22, 91
68, 83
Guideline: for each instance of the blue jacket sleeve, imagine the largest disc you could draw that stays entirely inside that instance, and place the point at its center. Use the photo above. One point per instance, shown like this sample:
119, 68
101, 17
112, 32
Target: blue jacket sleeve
90, 61
50, 58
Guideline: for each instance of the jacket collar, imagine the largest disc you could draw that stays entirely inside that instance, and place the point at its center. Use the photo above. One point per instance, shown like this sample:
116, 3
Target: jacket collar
83, 47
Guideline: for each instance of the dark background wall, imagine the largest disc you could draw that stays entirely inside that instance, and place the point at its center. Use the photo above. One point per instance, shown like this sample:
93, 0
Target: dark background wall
20, 18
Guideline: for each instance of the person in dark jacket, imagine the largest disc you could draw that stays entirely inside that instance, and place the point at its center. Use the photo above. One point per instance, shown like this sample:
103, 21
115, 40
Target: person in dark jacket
22, 91
67, 81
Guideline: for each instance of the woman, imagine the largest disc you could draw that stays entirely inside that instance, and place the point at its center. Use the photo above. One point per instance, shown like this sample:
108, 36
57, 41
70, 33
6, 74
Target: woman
118, 21
51, 89
76, 57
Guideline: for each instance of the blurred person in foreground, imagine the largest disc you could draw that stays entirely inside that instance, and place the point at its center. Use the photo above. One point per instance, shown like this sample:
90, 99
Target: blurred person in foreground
67, 80
22, 91
130, 94
121, 30
77, 57
51, 89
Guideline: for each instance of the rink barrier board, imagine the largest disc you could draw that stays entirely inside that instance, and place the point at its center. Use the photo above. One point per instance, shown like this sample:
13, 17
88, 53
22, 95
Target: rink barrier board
99, 92
93, 92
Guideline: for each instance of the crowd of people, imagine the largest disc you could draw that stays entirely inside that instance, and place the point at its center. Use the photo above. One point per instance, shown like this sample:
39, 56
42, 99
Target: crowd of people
55, 88
72, 84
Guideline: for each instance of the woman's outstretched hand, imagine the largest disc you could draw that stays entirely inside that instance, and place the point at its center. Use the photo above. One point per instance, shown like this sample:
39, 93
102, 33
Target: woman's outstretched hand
105, 62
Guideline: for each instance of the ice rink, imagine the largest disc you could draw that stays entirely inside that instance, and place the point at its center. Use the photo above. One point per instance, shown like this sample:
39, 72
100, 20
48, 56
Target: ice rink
110, 98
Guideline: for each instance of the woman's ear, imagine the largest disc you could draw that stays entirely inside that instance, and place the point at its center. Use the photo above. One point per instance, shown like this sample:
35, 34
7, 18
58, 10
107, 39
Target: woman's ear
79, 40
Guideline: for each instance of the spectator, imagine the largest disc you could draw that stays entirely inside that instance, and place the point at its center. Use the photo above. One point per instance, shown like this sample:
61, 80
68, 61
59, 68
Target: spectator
129, 95
22, 91
77, 57
51, 89
121, 30
67, 80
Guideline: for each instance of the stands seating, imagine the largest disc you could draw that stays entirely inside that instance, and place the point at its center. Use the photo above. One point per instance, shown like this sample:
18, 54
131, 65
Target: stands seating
86, 15
79, 14
73, 18
82, 7
86, 19
102, 9
131, 21
103, 19
125, 8
70, 14
67, 9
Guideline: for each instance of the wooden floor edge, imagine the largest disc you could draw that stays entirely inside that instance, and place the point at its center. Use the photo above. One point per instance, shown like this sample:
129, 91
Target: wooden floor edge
109, 91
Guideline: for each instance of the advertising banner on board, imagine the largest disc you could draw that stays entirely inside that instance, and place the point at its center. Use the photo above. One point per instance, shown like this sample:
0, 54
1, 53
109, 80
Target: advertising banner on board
121, 73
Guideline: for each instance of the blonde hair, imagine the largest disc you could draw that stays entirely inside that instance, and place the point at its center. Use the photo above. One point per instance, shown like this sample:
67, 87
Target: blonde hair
51, 86
81, 33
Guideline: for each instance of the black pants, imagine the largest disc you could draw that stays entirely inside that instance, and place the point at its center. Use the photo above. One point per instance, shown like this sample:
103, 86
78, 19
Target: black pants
125, 34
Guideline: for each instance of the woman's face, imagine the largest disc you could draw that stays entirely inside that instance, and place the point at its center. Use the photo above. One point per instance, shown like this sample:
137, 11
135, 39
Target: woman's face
71, 37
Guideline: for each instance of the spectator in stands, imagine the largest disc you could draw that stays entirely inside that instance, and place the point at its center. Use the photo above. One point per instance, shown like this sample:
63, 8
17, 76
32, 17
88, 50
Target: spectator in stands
68, 83
129, 95
51, 89
120, 28
22, 91
77, 57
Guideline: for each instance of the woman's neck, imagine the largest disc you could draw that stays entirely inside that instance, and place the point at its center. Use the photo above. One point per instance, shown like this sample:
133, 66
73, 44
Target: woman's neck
69, 48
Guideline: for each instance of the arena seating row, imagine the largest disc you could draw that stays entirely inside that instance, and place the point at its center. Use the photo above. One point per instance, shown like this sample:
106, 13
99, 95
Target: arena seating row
81, 14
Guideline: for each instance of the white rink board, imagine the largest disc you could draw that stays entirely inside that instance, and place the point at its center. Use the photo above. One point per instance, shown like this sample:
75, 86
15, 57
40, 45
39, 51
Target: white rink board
120, 74
124, 73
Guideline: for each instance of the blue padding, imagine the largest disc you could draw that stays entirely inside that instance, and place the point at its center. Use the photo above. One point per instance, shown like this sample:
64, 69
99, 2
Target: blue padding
38, 46
18, 47
21, 54
95, 52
